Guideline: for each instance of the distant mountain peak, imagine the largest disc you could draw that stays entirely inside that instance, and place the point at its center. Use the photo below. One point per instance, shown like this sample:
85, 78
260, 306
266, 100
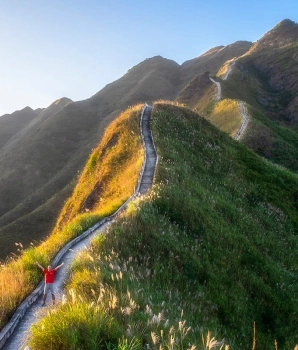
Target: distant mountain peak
284, 27
62, 101
27, 108
211, 51
283, 34
286, 23
155, 60
22, 111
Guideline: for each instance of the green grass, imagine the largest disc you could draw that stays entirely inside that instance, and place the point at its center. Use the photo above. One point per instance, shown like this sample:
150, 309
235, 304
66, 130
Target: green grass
213, 247
92, 328
271, 140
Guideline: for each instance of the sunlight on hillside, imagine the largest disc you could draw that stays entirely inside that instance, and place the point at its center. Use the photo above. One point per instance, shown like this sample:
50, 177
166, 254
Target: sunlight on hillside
13, 279
108, 180
223, 69
111, 172
226, 116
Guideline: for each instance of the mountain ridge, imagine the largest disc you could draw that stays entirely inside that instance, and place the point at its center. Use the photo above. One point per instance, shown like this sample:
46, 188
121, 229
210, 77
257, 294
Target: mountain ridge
11, 124
42, 161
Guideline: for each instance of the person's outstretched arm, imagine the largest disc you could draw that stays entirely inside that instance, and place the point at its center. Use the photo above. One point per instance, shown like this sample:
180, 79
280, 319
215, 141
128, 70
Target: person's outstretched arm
58, 267
38, 264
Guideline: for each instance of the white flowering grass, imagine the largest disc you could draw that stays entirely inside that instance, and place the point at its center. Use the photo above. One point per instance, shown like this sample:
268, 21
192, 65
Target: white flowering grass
208, 252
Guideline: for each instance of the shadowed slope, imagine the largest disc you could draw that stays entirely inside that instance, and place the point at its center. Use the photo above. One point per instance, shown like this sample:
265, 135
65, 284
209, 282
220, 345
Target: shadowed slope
11, 124
196, 90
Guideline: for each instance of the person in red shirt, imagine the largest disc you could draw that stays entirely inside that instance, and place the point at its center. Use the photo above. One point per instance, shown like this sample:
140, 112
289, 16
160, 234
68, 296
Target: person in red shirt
49, 275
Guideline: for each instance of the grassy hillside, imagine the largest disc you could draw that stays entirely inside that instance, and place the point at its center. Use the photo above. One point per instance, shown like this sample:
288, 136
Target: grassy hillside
198, 92
226, 116
266, 79
108, 180
214, 247
275, 56
111, 173
266, 134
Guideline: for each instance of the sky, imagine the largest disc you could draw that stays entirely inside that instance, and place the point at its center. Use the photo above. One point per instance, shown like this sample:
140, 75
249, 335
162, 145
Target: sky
51, 49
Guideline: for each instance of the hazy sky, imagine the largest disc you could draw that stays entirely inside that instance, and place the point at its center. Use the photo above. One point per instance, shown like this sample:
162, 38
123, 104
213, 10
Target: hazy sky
73, 48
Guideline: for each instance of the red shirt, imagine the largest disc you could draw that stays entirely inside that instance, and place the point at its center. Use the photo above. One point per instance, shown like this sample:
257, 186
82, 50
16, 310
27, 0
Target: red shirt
49, 275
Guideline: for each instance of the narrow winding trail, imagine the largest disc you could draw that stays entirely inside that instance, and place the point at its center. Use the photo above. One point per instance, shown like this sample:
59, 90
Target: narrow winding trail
14, 334
218, 96
241, 104
245, 120
229, 70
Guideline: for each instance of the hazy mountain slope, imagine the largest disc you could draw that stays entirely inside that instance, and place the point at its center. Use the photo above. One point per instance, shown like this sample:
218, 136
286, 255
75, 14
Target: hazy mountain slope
23, 161
196, 90
153, 78
11, 124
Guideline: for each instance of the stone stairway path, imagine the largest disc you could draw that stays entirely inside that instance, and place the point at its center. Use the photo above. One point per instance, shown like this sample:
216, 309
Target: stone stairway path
218, 95
229, 69
245, 120
14, 335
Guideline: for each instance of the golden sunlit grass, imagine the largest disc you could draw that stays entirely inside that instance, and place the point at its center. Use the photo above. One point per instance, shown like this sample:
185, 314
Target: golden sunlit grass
12, 281
108, 180
111, 172
223, 69
226, 116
